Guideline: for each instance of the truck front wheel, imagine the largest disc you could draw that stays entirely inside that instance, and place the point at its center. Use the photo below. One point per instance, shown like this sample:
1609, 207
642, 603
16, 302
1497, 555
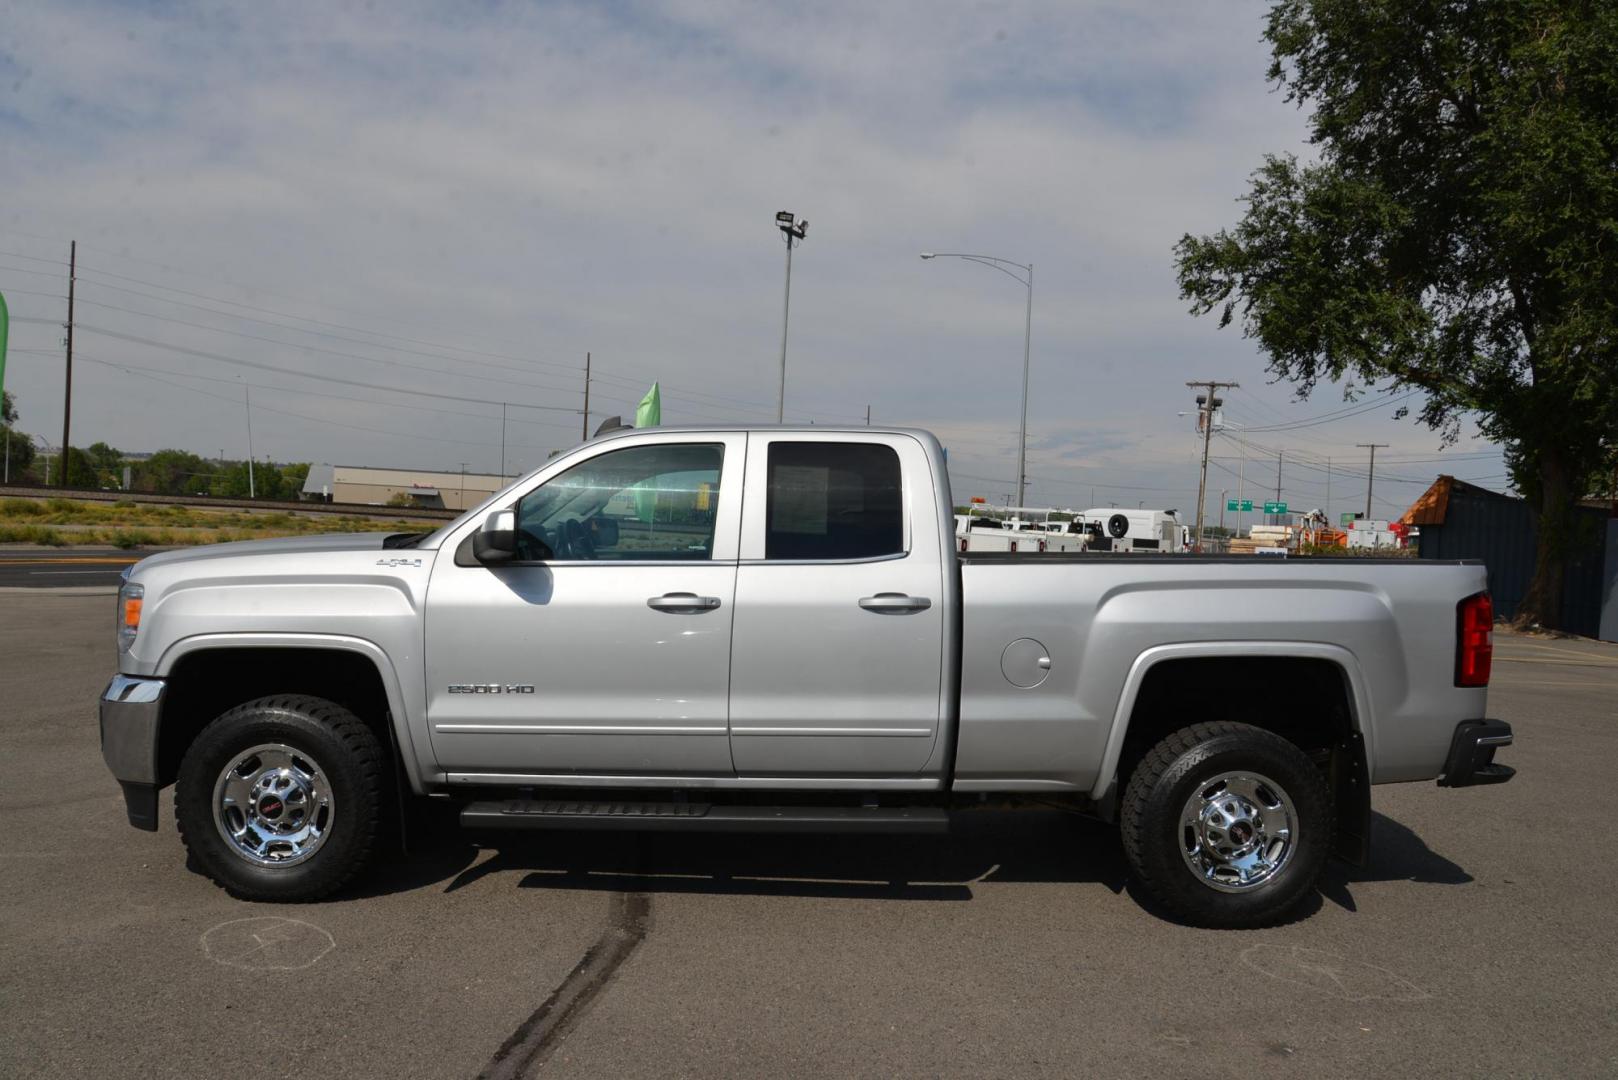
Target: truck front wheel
279, 799
1227, 825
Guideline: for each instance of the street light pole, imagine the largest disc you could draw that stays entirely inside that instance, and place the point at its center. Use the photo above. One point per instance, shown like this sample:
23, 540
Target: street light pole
1022, 426
1027, 342
793, 229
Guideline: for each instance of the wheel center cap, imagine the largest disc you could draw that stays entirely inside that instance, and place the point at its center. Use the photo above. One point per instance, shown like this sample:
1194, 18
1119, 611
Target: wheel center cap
270, 807
1241, 832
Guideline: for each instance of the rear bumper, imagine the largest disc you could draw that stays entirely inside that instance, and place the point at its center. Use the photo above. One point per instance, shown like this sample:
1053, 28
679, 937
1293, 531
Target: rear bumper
131, 710
1471, 754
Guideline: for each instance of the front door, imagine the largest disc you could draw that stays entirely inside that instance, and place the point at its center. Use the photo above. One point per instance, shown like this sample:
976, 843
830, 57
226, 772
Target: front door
837, 665
604, 648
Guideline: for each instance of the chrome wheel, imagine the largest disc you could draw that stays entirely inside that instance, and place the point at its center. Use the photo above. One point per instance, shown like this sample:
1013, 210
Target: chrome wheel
273, 805
1237, 831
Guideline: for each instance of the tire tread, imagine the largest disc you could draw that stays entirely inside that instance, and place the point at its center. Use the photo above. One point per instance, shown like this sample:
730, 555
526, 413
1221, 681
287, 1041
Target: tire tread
366, 756
1135, 820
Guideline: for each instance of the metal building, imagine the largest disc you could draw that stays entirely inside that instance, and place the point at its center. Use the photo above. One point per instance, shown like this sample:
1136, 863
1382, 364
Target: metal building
1462, 521
415, 487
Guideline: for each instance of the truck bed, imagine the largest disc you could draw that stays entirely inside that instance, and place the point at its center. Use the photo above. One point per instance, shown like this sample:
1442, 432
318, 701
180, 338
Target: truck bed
1102, 623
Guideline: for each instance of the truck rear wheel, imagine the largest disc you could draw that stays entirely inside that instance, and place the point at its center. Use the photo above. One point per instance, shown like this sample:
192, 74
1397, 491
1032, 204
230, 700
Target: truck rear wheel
1227, 825
279, 799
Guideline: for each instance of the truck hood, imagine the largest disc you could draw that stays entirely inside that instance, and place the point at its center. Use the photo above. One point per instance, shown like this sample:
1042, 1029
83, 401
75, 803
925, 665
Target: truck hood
288, 545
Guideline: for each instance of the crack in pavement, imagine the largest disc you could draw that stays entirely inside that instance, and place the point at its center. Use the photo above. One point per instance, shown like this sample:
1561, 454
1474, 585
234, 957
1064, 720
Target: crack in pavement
629, 916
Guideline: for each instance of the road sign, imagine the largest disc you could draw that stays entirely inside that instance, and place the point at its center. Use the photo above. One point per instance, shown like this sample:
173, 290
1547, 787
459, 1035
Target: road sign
1243, 505
1275, 508
1346, 519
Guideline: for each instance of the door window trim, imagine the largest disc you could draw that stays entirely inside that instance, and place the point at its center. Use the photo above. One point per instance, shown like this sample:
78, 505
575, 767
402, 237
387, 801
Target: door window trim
757, 488
727, 517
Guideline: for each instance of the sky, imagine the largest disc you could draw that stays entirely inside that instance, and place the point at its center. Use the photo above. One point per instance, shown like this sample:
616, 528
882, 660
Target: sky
389, 223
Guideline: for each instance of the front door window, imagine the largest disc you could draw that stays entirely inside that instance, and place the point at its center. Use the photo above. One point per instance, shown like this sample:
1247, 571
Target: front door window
642, 503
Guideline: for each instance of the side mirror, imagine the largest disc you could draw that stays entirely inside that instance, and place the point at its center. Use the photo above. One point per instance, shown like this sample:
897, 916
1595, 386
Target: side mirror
496, 542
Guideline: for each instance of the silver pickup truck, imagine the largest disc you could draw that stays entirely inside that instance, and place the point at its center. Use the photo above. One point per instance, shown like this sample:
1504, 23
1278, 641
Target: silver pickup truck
772, 629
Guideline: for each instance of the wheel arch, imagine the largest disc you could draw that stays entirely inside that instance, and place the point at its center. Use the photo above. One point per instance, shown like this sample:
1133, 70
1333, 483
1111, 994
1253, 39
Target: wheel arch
209, 673
1345, 721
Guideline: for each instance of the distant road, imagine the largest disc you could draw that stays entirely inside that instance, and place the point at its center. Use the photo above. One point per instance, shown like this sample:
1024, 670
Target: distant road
48, 569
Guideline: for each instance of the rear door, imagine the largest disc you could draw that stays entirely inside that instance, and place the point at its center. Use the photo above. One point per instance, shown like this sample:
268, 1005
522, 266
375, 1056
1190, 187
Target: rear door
839, 637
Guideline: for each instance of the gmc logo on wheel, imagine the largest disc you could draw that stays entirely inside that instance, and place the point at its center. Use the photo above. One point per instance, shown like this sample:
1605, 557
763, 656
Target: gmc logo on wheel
491, 688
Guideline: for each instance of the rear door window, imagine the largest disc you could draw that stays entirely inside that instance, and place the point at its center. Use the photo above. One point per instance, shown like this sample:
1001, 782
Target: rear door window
833, 501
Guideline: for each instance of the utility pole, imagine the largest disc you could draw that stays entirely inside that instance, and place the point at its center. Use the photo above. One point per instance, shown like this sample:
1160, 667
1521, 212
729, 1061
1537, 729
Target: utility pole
586, 434
1279, 454
867, 416
503, 440
1328, 491
1206, 404
1370, 477
463, 487
67, 392
1241, 483
247, 398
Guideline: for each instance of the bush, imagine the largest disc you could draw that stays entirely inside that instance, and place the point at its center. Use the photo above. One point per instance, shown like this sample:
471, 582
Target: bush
125, 504
124, 539
19, 508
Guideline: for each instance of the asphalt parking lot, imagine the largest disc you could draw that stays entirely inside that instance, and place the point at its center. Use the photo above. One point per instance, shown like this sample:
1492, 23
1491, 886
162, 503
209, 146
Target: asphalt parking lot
1482, 940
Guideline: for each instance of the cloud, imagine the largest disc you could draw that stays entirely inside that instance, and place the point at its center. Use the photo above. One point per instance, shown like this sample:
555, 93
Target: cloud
537, 181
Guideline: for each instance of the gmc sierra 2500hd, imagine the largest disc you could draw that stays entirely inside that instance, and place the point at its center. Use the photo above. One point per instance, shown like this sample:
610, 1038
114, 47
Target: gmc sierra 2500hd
772, 629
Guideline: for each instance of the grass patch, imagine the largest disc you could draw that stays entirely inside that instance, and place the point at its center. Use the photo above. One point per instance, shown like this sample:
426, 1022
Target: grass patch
32, 534
127, 524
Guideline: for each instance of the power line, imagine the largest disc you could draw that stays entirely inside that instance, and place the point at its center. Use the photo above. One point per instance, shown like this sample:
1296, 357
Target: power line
331, 352
223, 359
124, 366
454, 353
461, 352
412, 435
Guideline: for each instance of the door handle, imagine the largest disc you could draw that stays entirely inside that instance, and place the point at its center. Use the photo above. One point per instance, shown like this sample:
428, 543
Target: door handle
894, 603
682, 603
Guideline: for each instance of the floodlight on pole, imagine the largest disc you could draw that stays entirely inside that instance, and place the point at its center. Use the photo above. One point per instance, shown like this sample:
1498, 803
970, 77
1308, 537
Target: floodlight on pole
792, 228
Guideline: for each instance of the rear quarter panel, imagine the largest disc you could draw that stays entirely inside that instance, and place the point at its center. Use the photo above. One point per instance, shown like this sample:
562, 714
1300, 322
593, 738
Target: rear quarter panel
1105, 620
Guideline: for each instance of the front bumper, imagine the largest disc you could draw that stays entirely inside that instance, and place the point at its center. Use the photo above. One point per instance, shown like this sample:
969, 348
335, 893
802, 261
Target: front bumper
131, 710
1471, 754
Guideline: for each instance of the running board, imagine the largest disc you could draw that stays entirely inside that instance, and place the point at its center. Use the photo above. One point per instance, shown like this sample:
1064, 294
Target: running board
700, 817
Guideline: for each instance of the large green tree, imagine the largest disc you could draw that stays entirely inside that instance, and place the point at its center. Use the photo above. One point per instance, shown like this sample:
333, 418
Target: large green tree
1456, 231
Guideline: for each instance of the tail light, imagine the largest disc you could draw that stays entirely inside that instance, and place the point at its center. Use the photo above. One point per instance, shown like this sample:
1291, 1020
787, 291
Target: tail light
1474, 644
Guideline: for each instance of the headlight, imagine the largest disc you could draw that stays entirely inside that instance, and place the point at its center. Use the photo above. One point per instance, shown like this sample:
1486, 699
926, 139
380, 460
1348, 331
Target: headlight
130, 597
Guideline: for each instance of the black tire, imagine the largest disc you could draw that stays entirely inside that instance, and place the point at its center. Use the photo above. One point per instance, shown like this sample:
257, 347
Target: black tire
351, 763
1154, 839
1118, 526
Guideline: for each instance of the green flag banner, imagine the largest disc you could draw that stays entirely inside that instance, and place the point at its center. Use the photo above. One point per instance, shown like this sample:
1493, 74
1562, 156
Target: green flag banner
649, 413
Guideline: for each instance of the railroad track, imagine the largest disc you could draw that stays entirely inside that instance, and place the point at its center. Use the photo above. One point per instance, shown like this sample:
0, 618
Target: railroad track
218, 502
